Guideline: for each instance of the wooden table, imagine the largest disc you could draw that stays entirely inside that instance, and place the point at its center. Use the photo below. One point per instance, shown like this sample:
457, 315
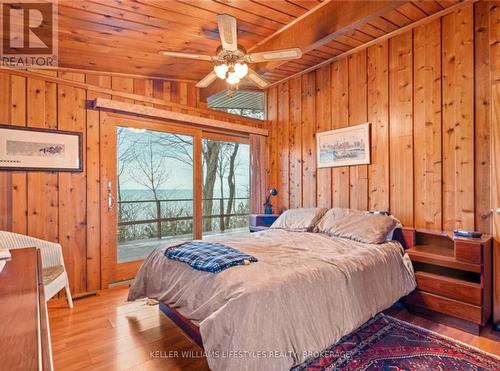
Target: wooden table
24, 331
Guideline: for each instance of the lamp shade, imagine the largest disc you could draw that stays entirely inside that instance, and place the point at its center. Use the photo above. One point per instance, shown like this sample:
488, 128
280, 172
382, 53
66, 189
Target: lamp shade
221, 70
241, 69
232, 78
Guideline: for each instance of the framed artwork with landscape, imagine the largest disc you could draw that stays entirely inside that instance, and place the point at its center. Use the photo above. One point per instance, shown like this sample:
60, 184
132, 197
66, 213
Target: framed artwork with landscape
344, 147
40, 149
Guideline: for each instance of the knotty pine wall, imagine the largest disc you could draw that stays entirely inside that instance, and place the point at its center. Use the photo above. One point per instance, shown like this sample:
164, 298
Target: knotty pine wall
427, 95
65, 207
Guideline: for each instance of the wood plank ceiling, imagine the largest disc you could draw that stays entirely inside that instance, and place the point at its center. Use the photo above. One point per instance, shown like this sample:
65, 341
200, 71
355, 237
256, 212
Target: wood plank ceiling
125, 36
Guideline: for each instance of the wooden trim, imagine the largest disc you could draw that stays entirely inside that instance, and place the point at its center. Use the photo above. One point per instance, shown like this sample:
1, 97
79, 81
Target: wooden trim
198, 188
126, 271
327, 23
148, 124
258, 173
399, 31
138, 109
159, 124
288, 25
494, 15
118, 74
136, 97
108, 217
226, 137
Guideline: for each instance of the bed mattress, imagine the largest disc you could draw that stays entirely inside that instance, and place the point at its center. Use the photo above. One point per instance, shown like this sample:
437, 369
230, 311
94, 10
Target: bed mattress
306, 291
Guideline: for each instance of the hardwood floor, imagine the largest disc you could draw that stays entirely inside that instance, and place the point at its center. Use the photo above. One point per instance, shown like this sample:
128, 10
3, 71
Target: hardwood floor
105, 332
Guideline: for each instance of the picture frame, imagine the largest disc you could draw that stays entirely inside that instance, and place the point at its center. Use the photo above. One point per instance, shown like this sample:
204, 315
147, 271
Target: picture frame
347, 146
34, 149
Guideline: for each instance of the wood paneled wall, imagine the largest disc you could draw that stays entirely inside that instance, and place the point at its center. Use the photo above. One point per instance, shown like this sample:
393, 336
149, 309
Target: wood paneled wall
65, 207
495, 145
427, 95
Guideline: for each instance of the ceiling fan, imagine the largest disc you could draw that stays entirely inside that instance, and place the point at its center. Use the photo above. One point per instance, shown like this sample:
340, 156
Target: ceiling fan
231, 60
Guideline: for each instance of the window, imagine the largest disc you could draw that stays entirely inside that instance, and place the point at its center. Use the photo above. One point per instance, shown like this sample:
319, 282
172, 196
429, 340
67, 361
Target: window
226, 186
246, 103
156, 189
253, 114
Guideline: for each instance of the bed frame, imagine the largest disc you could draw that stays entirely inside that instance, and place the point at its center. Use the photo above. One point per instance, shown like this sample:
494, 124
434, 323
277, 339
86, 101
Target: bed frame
188, 327
403, 236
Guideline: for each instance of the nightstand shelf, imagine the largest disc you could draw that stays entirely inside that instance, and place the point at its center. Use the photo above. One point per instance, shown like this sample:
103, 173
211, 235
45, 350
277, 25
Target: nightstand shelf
441, 256
454, 276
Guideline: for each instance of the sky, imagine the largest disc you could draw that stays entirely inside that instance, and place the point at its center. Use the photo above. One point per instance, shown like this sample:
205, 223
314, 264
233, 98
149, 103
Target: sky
180, 174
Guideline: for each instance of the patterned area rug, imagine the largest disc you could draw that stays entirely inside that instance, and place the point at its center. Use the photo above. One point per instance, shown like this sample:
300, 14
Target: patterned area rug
386, 343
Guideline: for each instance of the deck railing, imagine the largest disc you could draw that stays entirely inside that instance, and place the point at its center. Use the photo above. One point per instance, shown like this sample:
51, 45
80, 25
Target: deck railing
159, 219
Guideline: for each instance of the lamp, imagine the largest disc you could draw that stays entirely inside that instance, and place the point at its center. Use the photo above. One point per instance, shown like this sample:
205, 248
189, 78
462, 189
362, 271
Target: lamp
268, 207
231, 72
240, 69
232, 78
221, 70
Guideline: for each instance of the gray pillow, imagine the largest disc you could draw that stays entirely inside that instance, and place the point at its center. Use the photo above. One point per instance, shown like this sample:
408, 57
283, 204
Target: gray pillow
357, 225
299, 220
332, 216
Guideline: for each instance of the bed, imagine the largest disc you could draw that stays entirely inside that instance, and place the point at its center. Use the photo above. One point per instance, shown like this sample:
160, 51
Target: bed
306, 291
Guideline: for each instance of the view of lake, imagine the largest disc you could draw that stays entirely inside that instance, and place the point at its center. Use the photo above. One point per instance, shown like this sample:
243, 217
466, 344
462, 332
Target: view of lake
156, 190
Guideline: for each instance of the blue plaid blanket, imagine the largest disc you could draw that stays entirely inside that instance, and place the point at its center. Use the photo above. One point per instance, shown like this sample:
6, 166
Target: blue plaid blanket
208, 256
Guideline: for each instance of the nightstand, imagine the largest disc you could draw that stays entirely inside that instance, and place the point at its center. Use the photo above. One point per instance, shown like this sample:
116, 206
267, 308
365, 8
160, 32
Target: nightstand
454, 277
261, 222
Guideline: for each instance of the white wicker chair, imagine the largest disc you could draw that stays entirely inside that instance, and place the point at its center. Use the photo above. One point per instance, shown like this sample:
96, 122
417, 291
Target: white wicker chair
54, 273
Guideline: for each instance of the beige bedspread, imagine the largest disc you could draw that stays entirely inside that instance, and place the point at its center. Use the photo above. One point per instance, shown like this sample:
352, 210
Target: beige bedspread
306, 291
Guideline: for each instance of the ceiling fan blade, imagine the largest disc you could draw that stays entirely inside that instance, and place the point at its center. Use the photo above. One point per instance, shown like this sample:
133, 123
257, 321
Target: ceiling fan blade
257, 79
207, 80
274, 55
228, 32
199, 57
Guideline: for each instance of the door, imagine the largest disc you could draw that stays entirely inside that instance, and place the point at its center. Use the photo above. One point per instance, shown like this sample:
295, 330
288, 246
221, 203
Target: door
226, 184
149, 191
165, 183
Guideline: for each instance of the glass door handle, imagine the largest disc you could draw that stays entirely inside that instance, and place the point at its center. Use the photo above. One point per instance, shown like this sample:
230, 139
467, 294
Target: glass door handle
111, 199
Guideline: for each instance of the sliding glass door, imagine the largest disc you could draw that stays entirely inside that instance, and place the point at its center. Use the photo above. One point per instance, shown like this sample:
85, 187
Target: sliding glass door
166, 183
226, 185
154, 190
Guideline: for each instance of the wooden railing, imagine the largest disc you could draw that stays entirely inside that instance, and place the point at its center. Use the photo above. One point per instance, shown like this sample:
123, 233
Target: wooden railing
158, 220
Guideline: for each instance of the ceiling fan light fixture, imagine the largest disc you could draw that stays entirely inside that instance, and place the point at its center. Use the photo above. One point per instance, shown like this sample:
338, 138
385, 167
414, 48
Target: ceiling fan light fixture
240, 69
231, 60
232, 78
221, 70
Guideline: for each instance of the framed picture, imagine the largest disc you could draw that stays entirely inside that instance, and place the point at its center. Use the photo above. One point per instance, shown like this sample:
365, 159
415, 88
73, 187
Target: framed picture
344, 147
40, 149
